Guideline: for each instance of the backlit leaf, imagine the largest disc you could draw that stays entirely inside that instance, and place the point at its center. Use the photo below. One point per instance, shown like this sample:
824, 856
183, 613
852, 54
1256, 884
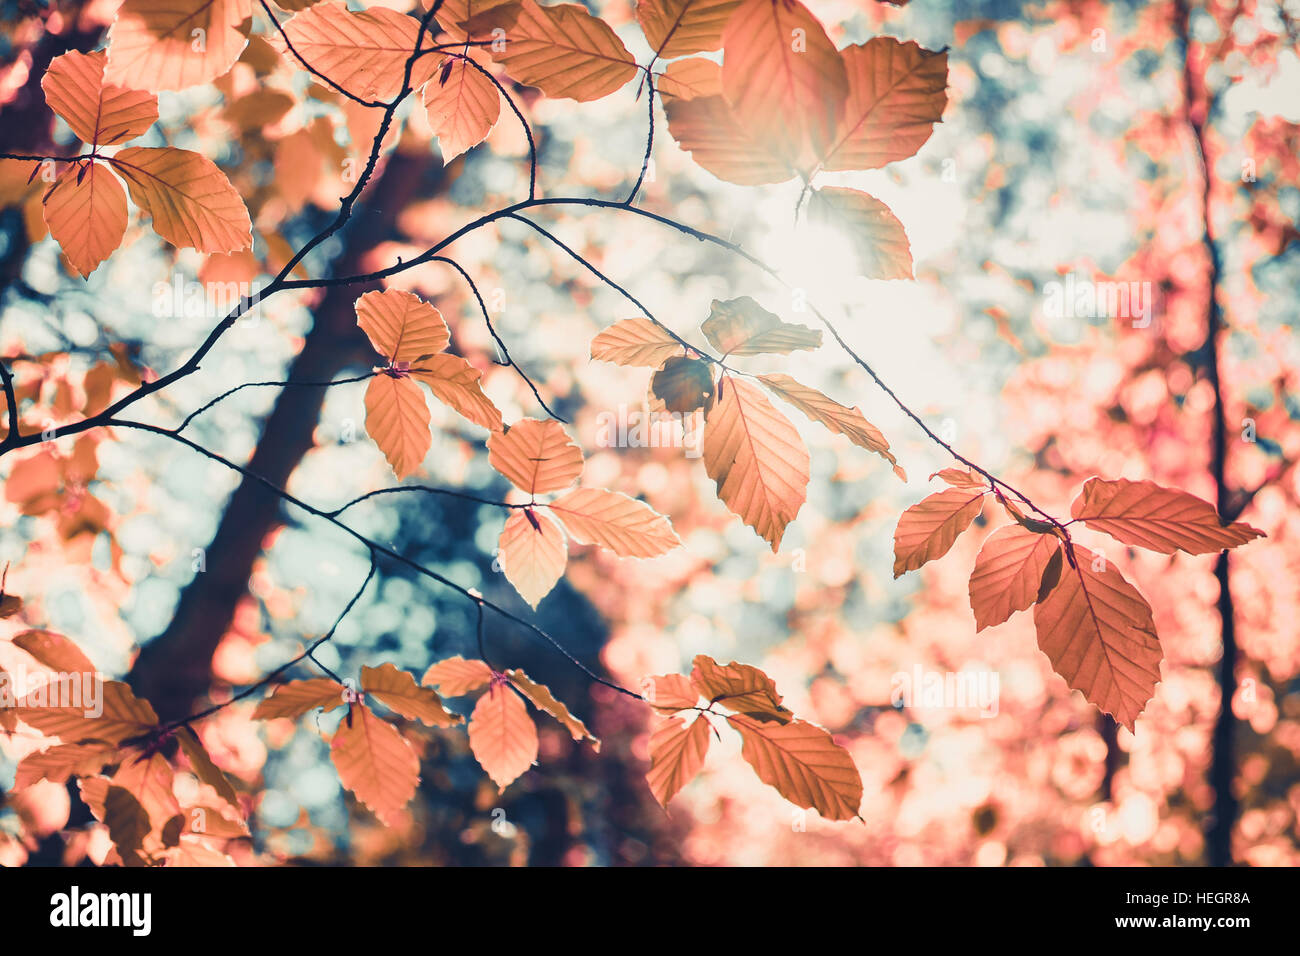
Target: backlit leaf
634, 342
961, 478
455, 676
670, 692
677, 754
743, 327
191, 201
398, 691
203, 766
876, 236
97, 112
897, 92
64, 709
153, 44
55, 651
739, 688
677, 27
532, 554
455, 382
757, 460
297, 697
86, 214
928, 529
838, 418
803, 763
536, 455
502, 737
629, 528
705, 127
462, 110
1099, 634
1144, 514
1008, 573
60, 763
401, 326
682, 385
541, 697
690, 79
564, 51
397, 418
375, 762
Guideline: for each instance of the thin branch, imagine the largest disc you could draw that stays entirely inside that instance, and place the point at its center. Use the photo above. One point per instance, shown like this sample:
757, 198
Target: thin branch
650, 137
426, 489
239, 388
11, 404
372, 104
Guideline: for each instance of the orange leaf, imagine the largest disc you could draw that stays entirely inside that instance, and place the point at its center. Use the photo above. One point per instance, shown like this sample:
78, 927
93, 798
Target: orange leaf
203, 766
839, 419
532, 555
60, 763
455, 382
739, 688
1144, 514
1099, 634
456, 676
97, 112
375, 762
629, 528
536, 455
191, 201
677, 27
757, 460
398, 691
365, 52
928, 529
55, 651
150, 780
475, 18
541, 697
743, 327
705, 127
65, 708
670, 692
677, 754
172, 44
401, 326
86, 214
634, 342
878, 239
690, 79
803, 763
897, 92
462, 110
502, 736
397, 418
564, 51
115, 807
297, 697
958, 478
784, 78
1009, 573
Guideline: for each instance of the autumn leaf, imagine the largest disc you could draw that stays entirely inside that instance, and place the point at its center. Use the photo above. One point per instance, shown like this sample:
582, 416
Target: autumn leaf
897, 92
670, 692
375, 762
127, 822
677, 753
86, 214
743, 327
1099, 634
783, 78
152, 44
839, 419
1144, 514
675, 28
928, 529
150, 779
961, 478
364, 51
297, 697
532, 554
634, 342
455, 676
803, 763
704, 127
681, 385
629, 528
739, 688
401, 326
537, 456
502, 737
61, 709
878, 240
455, 383
190, 200
55, 651
462, 108
1009, 573
690, 79
462, 19
99, 113
397, 418
564, 51
398, 691
62, 762
541, 697
757, 460
203, 766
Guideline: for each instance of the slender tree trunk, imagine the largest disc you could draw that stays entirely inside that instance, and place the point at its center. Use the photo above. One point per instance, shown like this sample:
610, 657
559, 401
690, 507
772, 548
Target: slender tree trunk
175, 668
